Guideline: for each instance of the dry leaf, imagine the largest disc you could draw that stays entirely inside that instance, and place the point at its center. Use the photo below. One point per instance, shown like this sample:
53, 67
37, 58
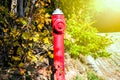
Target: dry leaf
46, 40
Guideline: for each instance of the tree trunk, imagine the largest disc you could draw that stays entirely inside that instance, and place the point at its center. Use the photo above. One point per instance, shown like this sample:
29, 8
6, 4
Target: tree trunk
20, 11
25, 4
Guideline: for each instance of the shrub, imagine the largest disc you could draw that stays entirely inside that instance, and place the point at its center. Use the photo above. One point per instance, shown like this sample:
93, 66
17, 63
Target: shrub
84, 39
93, 76
81, 37
23, 39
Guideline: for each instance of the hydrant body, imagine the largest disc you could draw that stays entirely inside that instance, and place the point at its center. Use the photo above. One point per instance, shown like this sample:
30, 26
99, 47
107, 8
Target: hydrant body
58, 26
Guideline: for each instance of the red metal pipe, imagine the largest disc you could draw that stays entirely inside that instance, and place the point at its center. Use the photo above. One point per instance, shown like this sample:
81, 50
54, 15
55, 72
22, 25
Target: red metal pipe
58, 25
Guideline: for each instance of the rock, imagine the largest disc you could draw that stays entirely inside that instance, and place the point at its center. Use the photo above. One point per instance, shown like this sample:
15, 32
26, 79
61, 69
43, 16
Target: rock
91, 61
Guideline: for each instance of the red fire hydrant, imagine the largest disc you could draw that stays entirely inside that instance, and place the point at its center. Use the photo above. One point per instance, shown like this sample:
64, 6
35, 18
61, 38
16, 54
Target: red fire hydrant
58, 26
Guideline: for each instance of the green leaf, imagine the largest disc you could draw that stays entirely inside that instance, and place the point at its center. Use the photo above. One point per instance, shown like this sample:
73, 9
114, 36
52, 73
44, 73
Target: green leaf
24, 22
16, 58
26, 35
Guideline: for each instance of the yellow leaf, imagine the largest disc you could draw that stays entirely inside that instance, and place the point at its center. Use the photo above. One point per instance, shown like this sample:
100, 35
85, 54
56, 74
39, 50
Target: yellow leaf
37, 21
21, 64
16, 43
47, 21
26, 35
0, 42
24, 22
42, 3
41, 58
10, 64
24, 45
30, 44
29, 53
47, 15
20, 51
14, 68
5, 30
46, 32
49, 1
50, 55
36, 5
41, 10
40, 26
46, 40
36, 38
34, 59
16, 58
31, 57
28, 58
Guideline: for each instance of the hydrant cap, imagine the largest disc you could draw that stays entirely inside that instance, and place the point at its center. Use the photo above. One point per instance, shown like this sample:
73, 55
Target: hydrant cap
57, 11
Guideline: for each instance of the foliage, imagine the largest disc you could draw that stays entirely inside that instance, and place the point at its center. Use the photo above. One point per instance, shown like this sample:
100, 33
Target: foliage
84, 39
77, 7
78, 77
93, 76
25, 39
81, 37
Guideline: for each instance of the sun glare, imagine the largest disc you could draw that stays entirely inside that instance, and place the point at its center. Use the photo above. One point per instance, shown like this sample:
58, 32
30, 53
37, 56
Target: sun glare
113, 4
107, 14
101, 5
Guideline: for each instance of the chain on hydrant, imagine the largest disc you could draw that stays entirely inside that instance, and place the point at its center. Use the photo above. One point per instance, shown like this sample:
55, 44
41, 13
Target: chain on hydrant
58, 26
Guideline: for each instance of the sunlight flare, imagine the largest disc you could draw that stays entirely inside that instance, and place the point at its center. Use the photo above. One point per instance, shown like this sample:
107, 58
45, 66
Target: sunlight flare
101, 5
